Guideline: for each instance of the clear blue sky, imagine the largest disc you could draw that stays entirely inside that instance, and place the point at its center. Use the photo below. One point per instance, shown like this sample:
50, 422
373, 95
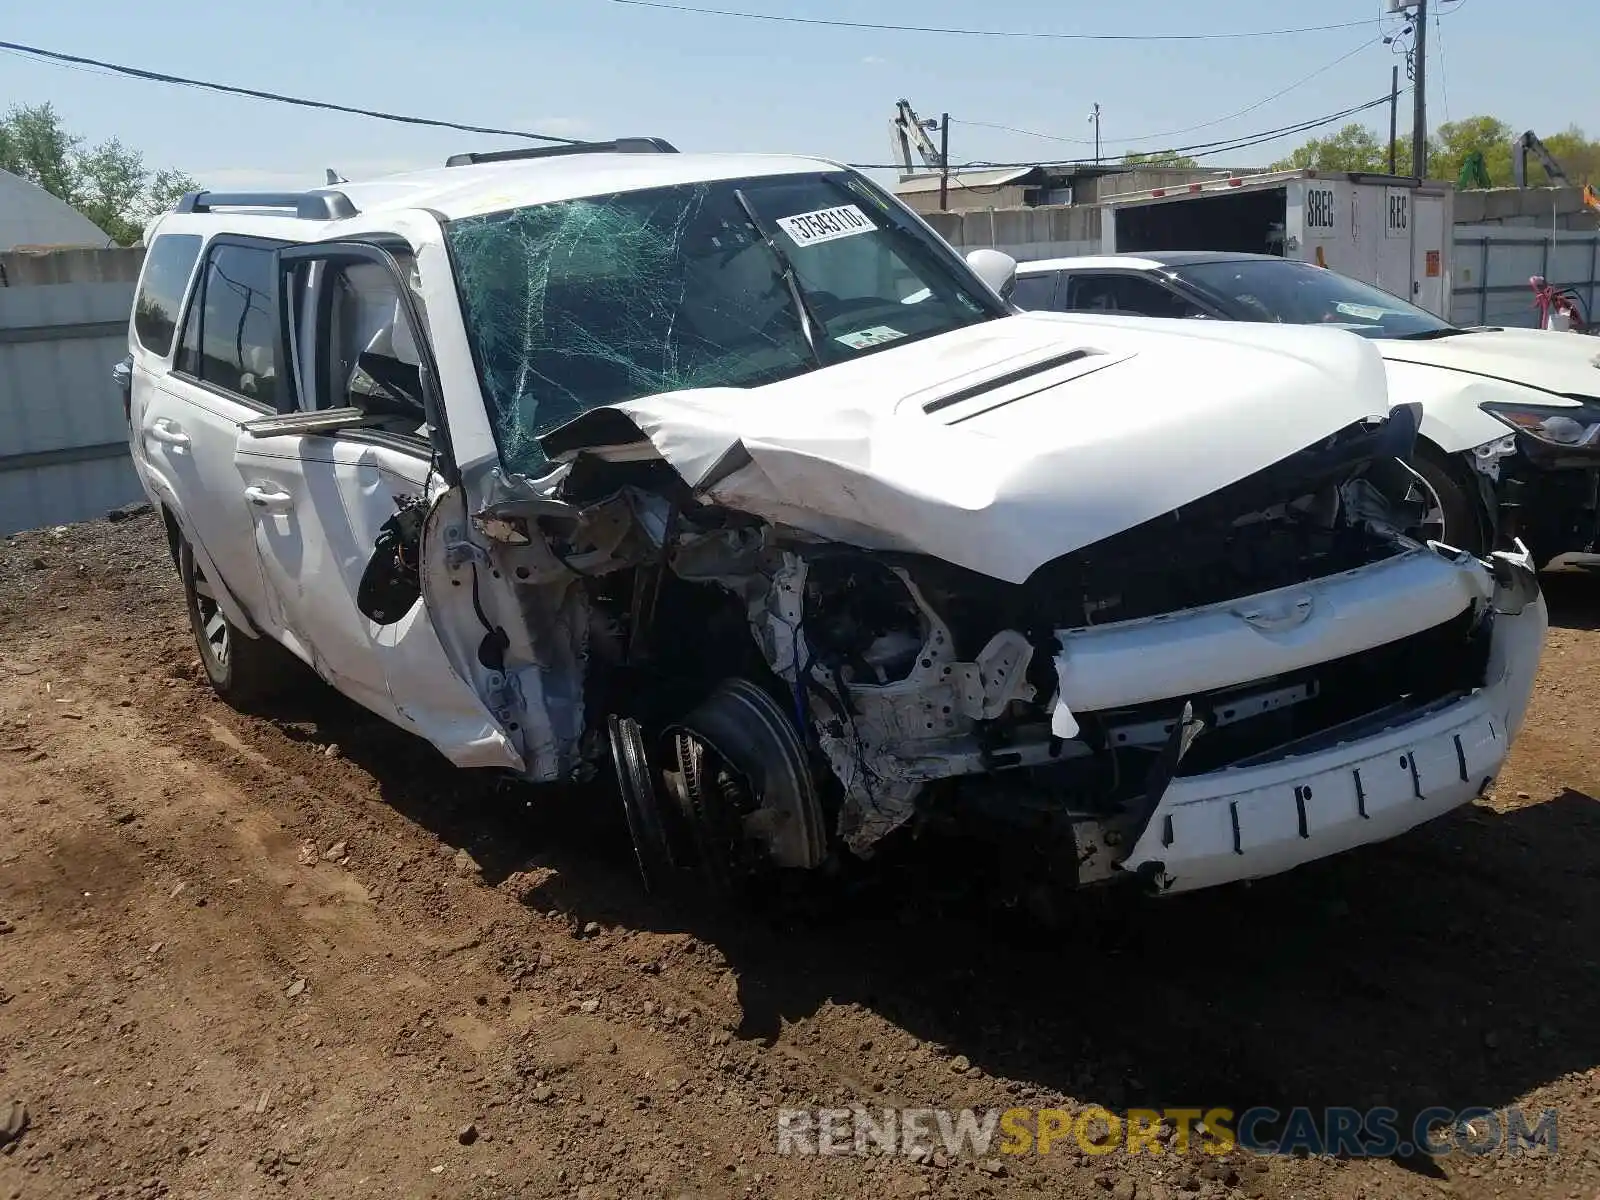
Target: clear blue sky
592, 68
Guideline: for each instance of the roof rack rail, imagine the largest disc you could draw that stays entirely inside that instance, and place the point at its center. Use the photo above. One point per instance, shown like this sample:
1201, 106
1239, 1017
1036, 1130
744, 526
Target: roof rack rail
628, 145
321, 205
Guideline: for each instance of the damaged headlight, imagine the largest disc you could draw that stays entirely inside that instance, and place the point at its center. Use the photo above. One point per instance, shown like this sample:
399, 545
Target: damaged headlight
1577, 427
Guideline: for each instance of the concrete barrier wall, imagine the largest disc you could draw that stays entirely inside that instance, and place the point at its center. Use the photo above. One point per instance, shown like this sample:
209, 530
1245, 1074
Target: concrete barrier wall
48, 266
63, 438
1527, 208
1027, 234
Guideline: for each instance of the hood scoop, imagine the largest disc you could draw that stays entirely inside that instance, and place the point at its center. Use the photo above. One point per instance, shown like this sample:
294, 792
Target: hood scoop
984, 395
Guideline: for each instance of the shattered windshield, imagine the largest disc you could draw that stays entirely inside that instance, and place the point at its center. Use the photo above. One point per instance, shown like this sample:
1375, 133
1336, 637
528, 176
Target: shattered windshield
581, 303
1296, 293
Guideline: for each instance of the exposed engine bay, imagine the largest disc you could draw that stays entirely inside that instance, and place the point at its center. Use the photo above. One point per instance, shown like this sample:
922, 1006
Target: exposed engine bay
763, 693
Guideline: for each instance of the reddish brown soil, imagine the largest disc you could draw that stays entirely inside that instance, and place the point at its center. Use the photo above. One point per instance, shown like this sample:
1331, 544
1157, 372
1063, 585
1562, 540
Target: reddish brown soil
296, 954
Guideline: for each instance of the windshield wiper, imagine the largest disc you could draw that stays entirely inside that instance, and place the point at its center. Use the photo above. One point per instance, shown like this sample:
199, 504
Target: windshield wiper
1432, 335
810, 326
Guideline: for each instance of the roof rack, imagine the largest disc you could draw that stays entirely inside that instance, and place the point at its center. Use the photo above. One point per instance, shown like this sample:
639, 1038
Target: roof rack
321, 205
629, 145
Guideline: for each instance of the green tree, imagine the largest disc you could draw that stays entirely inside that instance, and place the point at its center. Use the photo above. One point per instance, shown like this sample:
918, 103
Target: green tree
1402, 159
1492, 137
1159, 158
1457, 139
108, 183
1353, 148
1578, 156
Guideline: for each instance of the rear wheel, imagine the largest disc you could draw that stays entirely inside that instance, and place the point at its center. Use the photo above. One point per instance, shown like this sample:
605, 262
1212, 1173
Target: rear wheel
1457, 519
243, 670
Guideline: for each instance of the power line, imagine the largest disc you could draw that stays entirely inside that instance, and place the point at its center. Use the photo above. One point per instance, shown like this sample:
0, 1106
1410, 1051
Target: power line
1245, 141
81, 62
1228, 145
68, 66
57, 56
1150, 137
1305, 127
987, 33
1298, 83
1419, 96
1048, 137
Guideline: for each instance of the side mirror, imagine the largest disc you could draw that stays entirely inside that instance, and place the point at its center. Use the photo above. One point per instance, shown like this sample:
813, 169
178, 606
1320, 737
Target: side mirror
996, 268
123, 374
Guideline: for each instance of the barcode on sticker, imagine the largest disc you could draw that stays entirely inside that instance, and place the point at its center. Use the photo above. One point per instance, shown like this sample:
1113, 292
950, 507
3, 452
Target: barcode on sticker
826, 225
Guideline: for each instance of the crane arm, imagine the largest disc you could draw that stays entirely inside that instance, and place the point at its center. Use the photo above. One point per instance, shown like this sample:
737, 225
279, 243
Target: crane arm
907, 131
1519, 161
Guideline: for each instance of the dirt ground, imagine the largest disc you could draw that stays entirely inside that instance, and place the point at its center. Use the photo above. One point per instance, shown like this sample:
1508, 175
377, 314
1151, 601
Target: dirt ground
296, 954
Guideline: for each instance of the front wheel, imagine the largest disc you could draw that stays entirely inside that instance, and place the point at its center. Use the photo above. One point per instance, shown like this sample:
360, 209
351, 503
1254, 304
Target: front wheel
1457, 519
243, 670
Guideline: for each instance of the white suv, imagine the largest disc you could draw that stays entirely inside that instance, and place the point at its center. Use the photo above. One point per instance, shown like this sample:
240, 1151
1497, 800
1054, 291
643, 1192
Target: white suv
725, 475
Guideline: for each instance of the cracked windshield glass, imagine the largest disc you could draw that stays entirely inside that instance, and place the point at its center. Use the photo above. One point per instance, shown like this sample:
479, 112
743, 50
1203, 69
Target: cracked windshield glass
731, 283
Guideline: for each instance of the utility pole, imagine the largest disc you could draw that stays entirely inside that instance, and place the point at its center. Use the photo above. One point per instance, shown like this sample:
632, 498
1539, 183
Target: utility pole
907, 130
1419, 120
944, 162
1094, 116
1394, 118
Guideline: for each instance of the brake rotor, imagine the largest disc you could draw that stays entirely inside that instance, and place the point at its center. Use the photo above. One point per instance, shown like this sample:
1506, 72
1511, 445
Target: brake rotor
712, 824
745, 785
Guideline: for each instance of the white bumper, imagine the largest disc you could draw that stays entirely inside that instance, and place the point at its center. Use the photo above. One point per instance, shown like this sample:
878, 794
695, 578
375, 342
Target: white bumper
1245, 823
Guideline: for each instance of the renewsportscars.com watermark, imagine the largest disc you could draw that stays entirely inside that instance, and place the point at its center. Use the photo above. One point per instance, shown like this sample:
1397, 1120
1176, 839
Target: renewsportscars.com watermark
1357, 1133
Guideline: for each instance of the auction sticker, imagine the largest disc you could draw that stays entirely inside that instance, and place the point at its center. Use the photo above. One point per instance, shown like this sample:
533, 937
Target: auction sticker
826, 225
875, 336
1367, 312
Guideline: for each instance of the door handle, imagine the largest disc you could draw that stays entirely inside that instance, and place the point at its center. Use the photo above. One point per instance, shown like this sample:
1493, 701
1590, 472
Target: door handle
262, 498
169, 432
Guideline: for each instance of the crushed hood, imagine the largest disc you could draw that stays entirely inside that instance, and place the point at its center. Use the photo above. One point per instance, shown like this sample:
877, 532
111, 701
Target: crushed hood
1006, 445
1567, 364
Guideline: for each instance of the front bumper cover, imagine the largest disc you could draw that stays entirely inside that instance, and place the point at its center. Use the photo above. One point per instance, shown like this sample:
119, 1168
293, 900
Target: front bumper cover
1250, 822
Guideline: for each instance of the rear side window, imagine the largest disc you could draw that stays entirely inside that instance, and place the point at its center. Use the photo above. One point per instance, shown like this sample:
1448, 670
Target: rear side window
1035, 291
167, 266
230, 337
1128, 295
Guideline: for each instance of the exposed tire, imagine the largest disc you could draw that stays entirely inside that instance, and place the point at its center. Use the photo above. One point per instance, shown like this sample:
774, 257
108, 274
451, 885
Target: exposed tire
647, 824
1460, 519
243, 670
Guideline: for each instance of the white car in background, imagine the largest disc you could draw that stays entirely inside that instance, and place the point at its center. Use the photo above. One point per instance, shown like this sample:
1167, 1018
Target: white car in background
723, 476
1510, 432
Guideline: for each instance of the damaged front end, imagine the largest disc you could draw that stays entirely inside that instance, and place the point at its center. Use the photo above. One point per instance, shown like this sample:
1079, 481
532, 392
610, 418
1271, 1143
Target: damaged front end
1276, 671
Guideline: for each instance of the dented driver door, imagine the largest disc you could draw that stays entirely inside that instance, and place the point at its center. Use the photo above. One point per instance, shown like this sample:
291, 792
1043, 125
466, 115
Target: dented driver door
332, 481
